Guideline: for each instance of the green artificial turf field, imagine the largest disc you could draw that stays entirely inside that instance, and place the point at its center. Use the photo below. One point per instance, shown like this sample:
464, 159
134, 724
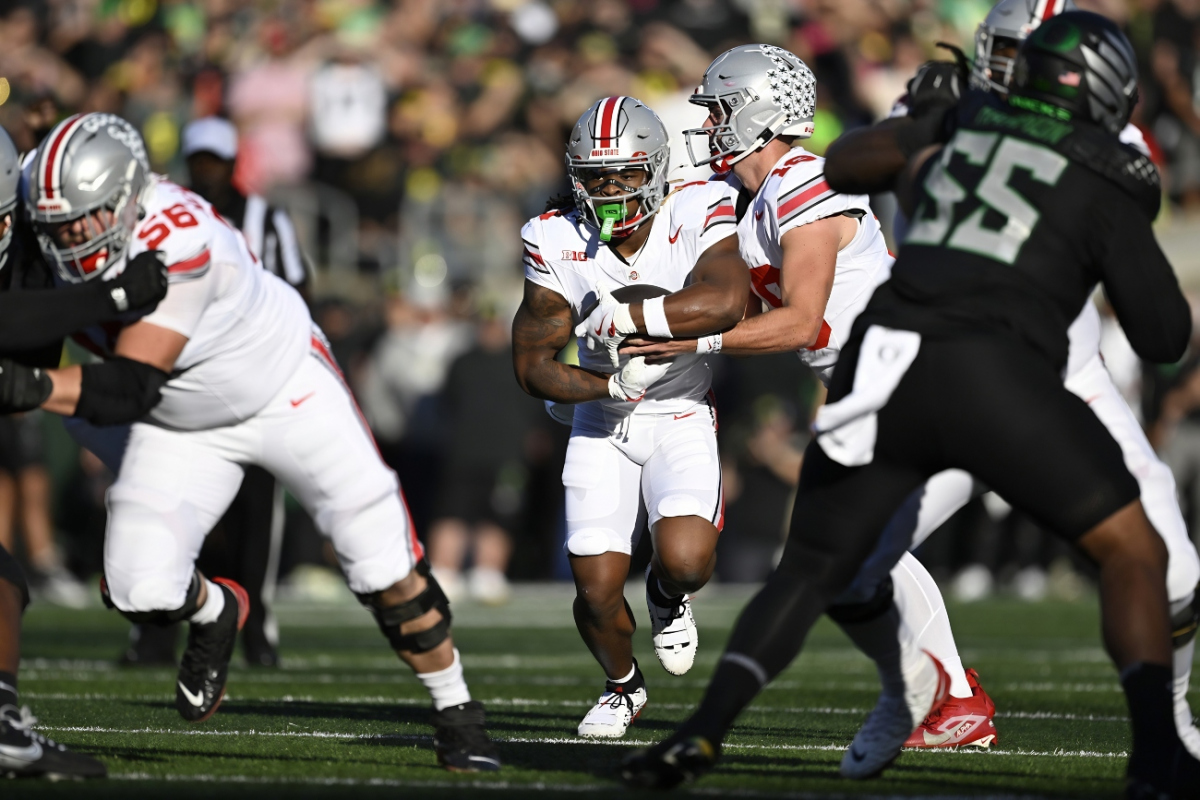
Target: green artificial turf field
344, 718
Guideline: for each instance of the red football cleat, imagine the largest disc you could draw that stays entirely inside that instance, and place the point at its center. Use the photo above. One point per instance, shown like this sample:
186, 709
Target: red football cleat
961, 722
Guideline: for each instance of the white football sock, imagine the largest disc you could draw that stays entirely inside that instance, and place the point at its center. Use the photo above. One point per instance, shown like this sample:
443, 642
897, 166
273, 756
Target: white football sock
1182, 669
446, 686
628, 677
214, 604
924, 612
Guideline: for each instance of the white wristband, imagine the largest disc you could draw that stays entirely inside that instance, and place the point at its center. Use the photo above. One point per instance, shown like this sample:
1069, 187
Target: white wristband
655, 317
709, 345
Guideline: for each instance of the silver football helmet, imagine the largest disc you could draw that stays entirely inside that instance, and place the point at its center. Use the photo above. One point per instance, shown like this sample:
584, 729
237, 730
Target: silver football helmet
618, 133
758, 93
91, 172
10, 177
1009, 22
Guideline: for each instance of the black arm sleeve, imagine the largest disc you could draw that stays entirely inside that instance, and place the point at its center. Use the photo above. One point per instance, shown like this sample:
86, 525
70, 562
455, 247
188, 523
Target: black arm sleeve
119, 390
36, 318
1141, 284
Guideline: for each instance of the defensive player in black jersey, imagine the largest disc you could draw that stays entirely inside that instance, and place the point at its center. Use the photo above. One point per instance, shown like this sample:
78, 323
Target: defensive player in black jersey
32, 326
956, 363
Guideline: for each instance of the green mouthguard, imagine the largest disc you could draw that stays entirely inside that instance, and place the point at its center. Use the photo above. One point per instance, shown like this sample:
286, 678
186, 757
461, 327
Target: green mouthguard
609, 214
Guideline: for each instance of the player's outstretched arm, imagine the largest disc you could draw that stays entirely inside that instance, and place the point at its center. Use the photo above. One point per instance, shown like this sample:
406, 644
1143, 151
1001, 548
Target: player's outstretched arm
867, 160
715, 299
805, 281
542, 328
117, 391
38, 317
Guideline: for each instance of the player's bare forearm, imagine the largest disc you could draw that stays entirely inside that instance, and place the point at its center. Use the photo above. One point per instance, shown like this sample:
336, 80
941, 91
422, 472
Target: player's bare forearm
866, 160
548, 379
64, 397
541, 329
780, 330
714, 301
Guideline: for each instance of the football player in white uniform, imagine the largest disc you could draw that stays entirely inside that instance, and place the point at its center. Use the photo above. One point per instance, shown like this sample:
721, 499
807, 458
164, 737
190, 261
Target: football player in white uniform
860, 162
229, 370
643, 444
815, 257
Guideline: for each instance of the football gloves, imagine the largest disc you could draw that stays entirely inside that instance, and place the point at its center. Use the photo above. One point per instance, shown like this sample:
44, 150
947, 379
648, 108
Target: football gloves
22, 388
635, 378
141, 285
607, 326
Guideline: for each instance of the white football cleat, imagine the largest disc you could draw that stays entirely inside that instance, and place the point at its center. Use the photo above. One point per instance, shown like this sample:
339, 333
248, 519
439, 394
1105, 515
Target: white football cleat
673, 627
878, 742
616, 709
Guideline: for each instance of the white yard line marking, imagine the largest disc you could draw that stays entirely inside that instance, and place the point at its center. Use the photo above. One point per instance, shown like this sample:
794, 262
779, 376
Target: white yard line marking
545, 740
526, 702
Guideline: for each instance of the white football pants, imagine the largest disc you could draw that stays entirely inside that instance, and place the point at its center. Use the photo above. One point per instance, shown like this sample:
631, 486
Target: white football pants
624, 470
173, 486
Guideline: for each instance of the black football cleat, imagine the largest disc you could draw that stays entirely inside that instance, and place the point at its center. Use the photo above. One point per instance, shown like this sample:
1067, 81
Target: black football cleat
669, 763
460, 740
25, 753
205, 663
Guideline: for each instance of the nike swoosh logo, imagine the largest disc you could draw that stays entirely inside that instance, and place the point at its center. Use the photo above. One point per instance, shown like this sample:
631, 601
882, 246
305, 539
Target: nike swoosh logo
31, 753
934, 740
196, 699
296, 403
95, 183
672, 239
758, 214
685, 416
600, 331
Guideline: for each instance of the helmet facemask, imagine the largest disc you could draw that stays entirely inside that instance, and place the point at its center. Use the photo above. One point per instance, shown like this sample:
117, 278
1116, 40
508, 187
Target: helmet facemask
106, 230
721, 140
995, 61
9, 220
611, 214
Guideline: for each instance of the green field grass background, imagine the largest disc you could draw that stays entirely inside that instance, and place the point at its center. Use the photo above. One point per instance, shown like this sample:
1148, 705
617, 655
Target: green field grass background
344, 718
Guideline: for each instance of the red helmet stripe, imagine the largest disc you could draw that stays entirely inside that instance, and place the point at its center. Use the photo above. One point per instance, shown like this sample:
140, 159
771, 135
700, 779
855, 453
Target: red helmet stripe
52, 156
1052, 8
606, 129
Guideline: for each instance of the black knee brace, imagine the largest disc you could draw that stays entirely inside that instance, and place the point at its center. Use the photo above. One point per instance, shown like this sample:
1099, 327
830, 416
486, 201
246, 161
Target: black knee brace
1185, 621
190, 606
851, 613
11, 571
390, 618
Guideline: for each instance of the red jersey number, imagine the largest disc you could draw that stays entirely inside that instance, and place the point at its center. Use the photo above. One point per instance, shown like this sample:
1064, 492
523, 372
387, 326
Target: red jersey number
155, 233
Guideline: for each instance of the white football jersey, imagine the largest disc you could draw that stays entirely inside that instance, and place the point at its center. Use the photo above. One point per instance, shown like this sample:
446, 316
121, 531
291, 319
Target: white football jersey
247, 330
795, 193
564, 254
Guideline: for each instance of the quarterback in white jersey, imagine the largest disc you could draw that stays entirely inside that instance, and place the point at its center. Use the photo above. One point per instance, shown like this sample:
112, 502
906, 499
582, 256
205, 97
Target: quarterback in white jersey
229, 370
627, 257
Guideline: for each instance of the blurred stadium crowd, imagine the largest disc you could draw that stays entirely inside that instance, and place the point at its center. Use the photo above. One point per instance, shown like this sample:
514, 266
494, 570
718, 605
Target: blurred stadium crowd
409, 141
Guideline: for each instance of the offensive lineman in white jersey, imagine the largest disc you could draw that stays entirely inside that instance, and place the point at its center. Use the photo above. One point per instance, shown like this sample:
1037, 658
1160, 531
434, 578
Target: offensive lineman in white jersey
228, 370
643, 441
858, 163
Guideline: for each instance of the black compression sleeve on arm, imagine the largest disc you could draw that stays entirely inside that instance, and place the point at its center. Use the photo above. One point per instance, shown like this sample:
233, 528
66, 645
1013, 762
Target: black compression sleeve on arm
38, 317
118, 391
1143, 289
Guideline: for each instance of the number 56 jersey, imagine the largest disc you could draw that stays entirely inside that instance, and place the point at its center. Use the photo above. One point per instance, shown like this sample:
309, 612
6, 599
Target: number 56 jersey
247, 330
795, 194
565, 254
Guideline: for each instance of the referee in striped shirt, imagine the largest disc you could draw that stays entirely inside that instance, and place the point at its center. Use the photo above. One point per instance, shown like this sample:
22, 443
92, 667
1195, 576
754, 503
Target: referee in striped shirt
253, 525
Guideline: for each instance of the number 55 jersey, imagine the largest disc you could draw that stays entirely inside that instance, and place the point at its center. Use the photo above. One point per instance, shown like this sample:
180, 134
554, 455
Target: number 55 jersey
1017, 218
247, 330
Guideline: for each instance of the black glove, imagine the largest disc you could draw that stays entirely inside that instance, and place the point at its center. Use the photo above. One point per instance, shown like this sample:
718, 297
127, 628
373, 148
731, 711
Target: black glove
936, 86
22, 388
141, 286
